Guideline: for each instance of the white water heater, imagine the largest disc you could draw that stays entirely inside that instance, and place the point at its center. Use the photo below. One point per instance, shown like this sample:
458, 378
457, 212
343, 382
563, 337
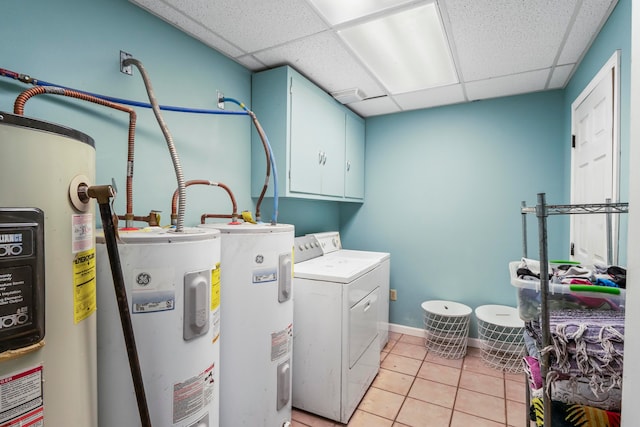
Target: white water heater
173, 290
256, 324
47, 276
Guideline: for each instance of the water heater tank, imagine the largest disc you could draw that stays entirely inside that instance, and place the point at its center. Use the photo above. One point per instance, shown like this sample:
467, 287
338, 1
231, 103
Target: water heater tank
256, 324
47, 276
173, 290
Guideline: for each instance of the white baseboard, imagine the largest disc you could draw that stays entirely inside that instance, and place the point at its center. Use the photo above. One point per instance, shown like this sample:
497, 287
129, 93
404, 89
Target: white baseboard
419, 332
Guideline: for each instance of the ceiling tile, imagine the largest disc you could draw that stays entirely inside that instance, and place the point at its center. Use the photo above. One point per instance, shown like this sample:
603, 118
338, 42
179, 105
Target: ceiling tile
509, 85
252, 25
431, 97
251, 62
323, 59
588, 22
560, 76
375, 106
512, 36
189, 25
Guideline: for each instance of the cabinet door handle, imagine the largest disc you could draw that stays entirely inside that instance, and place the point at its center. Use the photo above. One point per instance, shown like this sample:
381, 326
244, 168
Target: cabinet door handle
348, 166
320, 157
324, 158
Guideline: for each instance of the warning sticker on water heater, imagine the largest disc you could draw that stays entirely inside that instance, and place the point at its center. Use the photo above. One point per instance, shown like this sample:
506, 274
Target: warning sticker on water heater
81, 233
84, 285
193, 395
21, 402
281, 342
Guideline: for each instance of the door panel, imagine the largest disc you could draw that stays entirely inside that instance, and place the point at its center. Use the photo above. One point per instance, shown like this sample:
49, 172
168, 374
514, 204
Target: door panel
593, 169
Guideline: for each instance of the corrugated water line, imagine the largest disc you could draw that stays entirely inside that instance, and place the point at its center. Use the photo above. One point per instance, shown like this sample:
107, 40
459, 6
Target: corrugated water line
167, 135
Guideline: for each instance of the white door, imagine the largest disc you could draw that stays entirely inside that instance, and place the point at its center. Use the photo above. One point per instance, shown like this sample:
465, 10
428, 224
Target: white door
594, 163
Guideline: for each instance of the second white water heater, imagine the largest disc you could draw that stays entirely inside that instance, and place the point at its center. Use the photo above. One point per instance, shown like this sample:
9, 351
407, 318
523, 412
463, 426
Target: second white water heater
173, 282
256, 324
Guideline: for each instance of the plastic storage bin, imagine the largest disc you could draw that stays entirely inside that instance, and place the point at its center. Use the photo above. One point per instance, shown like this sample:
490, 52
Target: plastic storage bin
446, 326
562, 296
500, 331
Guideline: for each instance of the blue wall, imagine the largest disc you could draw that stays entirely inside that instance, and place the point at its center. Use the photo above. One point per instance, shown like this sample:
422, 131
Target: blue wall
443, 194
77, 43
444, 186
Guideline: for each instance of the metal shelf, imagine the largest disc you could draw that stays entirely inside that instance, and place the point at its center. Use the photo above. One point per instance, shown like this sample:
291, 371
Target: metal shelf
542, 210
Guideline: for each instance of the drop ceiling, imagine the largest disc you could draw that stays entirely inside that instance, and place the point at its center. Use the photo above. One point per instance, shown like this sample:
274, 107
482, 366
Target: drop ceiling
498, 47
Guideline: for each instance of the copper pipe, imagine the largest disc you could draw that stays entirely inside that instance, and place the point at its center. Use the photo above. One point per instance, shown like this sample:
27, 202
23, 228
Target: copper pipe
21, 100
205, 216
174, 200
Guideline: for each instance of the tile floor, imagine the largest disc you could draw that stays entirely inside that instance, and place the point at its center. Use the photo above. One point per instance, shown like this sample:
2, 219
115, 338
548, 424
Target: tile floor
417, 389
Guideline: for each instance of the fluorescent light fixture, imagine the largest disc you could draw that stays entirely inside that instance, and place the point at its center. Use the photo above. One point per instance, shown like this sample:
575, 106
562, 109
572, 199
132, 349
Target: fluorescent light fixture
349, 96
407, 51
339, 11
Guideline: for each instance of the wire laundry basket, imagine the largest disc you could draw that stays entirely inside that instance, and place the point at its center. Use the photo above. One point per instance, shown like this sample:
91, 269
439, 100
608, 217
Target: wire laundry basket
446, 326
500, 331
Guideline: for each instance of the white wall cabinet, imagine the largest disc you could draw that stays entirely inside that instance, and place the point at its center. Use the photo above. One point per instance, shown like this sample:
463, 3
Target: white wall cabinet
317, 143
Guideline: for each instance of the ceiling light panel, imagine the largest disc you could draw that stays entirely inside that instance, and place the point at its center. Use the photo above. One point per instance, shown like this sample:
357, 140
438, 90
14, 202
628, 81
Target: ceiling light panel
406, 51
339, 11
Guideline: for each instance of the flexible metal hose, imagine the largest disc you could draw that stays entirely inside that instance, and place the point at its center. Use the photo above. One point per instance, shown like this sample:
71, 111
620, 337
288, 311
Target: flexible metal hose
21, 100
165, 131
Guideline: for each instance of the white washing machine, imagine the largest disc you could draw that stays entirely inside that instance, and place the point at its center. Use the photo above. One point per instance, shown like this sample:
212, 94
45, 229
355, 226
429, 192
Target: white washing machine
336, 350
332, 247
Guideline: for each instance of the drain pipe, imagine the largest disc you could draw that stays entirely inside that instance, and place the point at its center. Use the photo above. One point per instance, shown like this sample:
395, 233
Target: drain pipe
103, 195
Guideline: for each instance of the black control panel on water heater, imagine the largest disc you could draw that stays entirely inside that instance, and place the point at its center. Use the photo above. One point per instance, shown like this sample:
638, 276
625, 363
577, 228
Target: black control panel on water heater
21, 277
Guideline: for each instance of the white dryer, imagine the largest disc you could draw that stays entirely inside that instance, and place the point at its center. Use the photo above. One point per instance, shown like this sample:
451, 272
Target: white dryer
336, 349
331, 245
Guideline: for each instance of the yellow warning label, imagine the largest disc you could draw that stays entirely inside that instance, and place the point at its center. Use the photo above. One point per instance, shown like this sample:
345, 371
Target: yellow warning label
215, 287
84, 285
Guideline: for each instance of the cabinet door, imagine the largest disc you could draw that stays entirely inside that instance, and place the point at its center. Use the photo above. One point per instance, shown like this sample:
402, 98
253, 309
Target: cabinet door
317, 141
354, 163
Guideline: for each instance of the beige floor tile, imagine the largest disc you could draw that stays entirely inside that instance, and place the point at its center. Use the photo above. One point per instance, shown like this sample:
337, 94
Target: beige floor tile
389, 345
311, 420
481, 405
482, 383
516, 414
295, 423
474, 351
402, 364
412, 339
416, 413
400, 425
460, 419
439, 373
476, 364
383, 355
381, 402
454, 363
394, 336
410, 350
394, 382
515, 391
520, 378
433, 392
365, 419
